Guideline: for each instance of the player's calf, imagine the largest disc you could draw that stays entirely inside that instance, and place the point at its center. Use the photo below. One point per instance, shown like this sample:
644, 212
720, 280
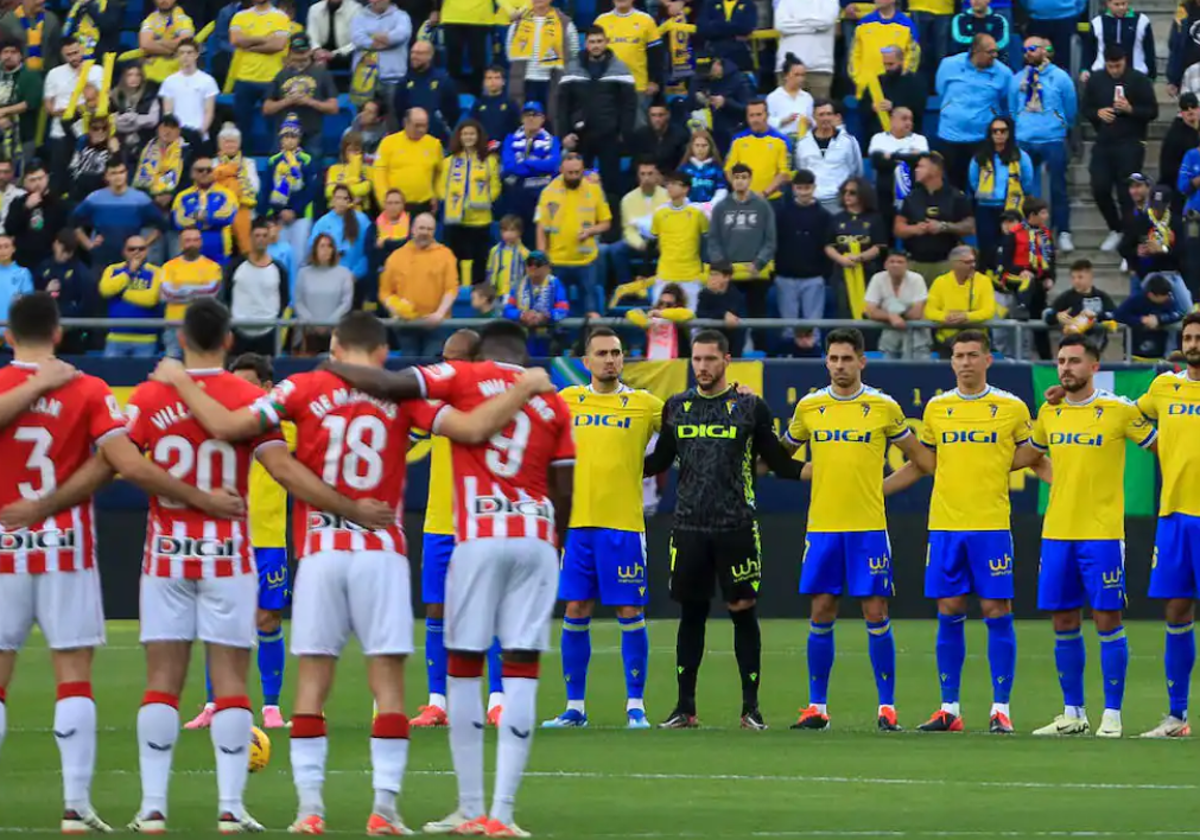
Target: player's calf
576, 647
389, 742
309, 744
515, 735
465, 672
635, 656
75, 734
272, 655
230, 730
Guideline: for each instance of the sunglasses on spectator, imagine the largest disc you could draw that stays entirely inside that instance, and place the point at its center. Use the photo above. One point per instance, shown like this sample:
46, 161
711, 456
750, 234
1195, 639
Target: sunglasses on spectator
202, 169
999, 131
135, 249
1033, 48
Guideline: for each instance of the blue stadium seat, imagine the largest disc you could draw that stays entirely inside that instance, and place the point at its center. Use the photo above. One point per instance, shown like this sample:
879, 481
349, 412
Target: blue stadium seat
335, 126
127, 40
466, 101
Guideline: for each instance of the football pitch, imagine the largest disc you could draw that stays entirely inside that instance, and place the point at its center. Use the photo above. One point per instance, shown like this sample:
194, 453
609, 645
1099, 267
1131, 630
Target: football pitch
716, 782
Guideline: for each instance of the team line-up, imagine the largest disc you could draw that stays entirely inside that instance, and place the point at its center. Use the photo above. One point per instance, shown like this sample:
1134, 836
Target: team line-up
519, 491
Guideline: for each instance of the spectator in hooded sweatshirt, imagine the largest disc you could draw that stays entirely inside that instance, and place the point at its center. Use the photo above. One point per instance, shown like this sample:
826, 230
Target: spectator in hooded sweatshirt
1121, 27
802, 268
807, 29
1182, 137
428, 87
742, 233
979, 18
974, 87
725, 25
1160, 301
725, 92
494, 110
831, 153
1044, 105
1056, 21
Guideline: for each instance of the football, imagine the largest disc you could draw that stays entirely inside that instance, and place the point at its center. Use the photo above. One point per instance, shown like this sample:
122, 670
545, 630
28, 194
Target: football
260, 750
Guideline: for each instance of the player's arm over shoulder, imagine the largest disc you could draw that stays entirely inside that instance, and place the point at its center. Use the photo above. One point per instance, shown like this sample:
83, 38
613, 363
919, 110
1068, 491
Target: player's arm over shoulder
1147, 403
774, 453
218, 420
1138, 427
664, 453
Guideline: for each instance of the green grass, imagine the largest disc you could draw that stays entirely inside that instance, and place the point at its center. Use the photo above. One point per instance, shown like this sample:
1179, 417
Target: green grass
715, 782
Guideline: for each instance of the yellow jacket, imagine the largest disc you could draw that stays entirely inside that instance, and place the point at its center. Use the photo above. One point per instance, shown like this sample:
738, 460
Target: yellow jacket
872, 34
415, 280
975, 298
414, 168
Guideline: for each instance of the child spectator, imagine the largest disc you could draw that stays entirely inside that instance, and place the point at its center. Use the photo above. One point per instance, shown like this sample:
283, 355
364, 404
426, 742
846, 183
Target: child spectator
1082, 307
666, 338
1122, 27
1161, 300
979, 19
538, 303
704, 166
485, 301
498, 115
721, 301
291, 186
506, 262
351, 171
1025, 272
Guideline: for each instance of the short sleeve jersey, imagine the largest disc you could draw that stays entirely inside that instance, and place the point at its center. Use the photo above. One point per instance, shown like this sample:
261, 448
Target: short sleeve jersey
1173, 403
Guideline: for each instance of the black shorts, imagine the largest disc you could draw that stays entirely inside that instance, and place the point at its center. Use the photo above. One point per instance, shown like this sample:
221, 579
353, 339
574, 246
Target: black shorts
731, 558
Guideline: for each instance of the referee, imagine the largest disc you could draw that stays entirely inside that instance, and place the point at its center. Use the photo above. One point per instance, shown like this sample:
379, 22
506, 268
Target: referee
716, 434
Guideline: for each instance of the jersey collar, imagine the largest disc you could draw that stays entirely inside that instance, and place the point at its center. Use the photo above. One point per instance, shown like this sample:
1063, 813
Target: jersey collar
204, 371
978, 396
24, 365
622, 388
862, 389
715, 396
1088, 401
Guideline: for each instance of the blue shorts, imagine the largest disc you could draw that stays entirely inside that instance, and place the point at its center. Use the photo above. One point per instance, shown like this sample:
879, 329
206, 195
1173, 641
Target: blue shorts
969, 563
1175, 569
274, 579
435, 560
854, 563
604, 564
1073, 569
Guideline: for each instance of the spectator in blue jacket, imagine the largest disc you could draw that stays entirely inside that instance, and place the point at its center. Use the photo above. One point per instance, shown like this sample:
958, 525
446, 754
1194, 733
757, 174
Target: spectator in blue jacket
1001, 175
529, 160
724, 91
431, 88
725, 25
15, 280
538, 302
1044, 103
292, 184
348, 228
974, 88
979, 18
1057, 22
494, 110
70, 283
703, 165
1161, 301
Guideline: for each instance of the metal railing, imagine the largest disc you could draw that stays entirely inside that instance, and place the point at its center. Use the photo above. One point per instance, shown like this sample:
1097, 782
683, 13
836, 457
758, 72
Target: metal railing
1017, 329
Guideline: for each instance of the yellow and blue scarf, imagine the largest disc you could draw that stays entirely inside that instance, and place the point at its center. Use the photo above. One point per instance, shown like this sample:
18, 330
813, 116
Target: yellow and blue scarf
34, 32
287, 178
365, 79
1015, 194
464, 188
81, 24
159, 169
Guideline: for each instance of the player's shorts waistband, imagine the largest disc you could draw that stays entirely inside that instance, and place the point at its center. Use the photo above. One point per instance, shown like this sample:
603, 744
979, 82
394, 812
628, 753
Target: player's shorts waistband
1179, 516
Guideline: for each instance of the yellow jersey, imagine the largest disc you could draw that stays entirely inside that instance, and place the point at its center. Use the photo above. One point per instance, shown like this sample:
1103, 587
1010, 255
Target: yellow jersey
1086, 443
414, 168
439, 505
172, 24
186, 280
1173, 403
268, 502
630, 36
975, 437
563, 213
847, 441
766, 154
679, 231
611, 435
260, 67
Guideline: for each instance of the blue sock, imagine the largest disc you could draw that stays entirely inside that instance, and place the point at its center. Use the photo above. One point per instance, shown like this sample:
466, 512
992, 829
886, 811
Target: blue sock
495, 672
271, 656
1069, 658
576, 652
1114, 662
881, 645
1002, 656
635, 653
208, 689
820, 661
435, 656
951, 654
1179, 659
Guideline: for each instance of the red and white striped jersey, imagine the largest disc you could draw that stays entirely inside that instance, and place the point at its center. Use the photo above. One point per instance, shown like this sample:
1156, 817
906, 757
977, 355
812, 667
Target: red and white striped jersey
357, 444
182, 542
41, 450
500, 486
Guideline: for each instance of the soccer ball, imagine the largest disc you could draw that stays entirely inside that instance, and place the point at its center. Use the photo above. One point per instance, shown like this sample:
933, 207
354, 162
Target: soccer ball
260, 750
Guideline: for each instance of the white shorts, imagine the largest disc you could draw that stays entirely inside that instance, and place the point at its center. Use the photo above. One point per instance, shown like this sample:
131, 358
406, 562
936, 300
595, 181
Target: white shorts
67, 606
367, 593
502, 587
217, 611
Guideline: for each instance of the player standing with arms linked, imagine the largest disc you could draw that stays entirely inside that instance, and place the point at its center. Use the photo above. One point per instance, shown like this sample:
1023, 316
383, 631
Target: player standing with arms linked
268, 536
512, 500
847, 426
351, 579
977, 434
436, 547
1173, 402
605, 554
716, 433
51, 419
1083, 531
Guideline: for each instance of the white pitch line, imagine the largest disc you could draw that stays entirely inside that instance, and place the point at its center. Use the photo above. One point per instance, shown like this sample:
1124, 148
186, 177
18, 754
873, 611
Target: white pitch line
781, 835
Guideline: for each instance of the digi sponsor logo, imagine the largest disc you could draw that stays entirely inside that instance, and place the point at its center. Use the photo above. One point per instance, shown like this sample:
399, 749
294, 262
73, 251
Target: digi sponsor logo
976, 436
500, 505
168, 546
1075, 439
840, 436
14, 542
608, 421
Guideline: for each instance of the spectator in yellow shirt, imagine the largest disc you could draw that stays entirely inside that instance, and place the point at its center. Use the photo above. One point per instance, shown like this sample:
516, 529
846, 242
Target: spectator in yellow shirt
764, 150
633, 37
159, 38
410, 161
571, 214
260, 39
959, 297
188, 277
420, 283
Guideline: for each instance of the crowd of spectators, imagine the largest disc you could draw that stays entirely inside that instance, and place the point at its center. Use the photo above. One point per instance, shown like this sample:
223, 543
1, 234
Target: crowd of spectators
881, 161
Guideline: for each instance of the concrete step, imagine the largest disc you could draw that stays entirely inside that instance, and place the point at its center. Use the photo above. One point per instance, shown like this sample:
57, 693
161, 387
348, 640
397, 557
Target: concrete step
1153, 150
1156, 130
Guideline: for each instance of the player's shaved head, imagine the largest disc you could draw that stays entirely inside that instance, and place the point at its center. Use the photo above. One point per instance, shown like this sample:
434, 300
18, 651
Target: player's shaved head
461, 346
33, 320
206, 327
503, 341
360, 333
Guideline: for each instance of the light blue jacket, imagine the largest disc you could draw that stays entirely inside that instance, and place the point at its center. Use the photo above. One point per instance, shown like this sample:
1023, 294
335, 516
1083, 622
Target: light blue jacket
351, 255
970, 98
1059, 105
14, 282
1000, 193
1189, 169
1053, 9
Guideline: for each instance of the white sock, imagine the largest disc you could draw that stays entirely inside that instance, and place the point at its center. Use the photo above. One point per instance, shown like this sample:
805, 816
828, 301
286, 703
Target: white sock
438, 700
577, 706
3, 717
1074, 712
75, 732
952, 709
513, 742
466, 742
157, 725
496, 698
231, 745
820, 707
389, 757
308, 773
635, 703
1000, 708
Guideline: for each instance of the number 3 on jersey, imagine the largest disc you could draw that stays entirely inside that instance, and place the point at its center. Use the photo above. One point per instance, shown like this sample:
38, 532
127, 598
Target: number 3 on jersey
38, 460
